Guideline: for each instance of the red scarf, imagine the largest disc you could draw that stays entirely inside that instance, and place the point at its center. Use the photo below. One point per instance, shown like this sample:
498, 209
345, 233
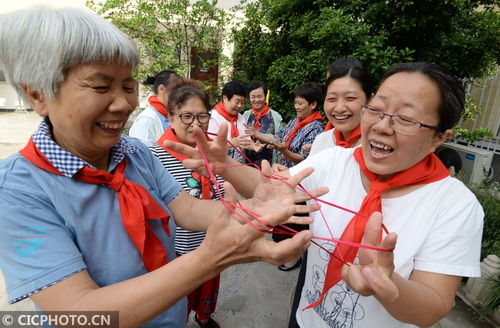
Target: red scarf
169, 134
300, 124
136, 204
221, 109
328, 126
428, 170
351, 140
258, 115
158, 105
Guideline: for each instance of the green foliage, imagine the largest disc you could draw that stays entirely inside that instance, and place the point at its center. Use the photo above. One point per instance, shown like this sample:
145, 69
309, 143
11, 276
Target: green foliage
489, 197
489, 296
471, 111
167, 30
288, 42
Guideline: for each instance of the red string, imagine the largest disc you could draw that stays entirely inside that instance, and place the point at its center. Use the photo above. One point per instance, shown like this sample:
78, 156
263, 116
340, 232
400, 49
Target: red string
251, 216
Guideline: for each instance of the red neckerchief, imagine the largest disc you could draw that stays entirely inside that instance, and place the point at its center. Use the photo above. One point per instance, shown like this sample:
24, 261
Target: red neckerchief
259, 115
428, 170
169, 134
221, 109
328, 126
300, 124
351, 139
158, 105
136, 204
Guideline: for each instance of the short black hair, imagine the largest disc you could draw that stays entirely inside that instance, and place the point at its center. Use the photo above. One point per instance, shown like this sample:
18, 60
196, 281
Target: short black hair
343, 63
451, 90
352, 68
234, 88
162, 78
311, 92
256, 85
183, 89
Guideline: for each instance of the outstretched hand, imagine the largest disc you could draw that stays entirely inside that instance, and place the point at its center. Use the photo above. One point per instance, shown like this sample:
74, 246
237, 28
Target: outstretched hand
230, 242
372, 276
215, 151
271, 193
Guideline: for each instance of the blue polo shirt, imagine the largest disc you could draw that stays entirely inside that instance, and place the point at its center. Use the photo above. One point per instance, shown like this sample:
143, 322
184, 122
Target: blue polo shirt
54, 226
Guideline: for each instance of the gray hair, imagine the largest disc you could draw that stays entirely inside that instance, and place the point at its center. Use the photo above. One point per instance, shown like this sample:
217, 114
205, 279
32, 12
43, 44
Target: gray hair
39, 45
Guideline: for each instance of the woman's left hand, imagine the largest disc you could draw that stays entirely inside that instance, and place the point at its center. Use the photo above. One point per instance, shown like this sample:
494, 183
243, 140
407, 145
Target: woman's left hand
372, 276
279, 146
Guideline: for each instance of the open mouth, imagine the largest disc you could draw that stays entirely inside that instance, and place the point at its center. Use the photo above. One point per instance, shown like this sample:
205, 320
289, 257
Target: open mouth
341, 117
379, 150
111, 126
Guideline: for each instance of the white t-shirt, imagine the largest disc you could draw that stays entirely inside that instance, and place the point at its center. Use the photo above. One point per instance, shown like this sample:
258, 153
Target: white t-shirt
217, 120
324, 140
439, 230
147, 127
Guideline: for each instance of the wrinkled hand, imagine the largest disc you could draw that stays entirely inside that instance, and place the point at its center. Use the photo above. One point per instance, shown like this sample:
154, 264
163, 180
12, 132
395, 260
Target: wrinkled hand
257, 146
372, 276
270, 194
215, 151
277, 168
306, 149
249, 130
241, 141
231, 240
280, 146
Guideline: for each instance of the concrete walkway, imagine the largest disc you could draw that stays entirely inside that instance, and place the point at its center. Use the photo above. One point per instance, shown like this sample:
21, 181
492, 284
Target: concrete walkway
255, 295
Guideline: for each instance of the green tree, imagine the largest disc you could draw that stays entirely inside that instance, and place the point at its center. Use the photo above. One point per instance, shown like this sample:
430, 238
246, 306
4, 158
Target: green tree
287, 42
167, 31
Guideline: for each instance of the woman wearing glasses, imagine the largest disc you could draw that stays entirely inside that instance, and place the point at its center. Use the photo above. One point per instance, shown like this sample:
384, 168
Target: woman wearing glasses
435, 222
189, 106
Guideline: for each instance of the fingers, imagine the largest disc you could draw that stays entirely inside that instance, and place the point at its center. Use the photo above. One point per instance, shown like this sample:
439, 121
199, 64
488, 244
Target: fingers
299, 220
302, 196
306, 208
277, 216
380, 283
284, 251
370, 280
373, 229
297, 178
353, 276
221, 139
180, 148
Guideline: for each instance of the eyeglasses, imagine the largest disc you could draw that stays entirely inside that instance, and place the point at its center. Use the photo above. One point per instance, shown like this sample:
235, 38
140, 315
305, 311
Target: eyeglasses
402, 124
188, 118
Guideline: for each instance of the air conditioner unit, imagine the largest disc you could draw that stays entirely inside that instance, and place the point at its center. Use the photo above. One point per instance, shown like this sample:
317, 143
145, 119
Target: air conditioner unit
472, 163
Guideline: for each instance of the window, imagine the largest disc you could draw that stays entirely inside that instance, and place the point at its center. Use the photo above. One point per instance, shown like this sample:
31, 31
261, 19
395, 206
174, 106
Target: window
2, 76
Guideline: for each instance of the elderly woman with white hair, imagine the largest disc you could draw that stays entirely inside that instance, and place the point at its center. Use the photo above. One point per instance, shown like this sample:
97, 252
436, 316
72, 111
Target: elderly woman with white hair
85, 210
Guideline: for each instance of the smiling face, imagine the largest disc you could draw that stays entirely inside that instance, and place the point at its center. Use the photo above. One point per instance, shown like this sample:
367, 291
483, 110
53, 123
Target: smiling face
343, 101
387, 152
233, 105
90, 110
303, 107
184, 132
257, 98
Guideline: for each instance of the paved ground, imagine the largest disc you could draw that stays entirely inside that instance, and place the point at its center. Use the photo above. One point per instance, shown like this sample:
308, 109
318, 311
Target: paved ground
251, 295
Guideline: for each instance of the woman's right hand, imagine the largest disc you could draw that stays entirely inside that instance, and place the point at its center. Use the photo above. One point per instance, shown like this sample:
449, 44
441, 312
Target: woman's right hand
215, 151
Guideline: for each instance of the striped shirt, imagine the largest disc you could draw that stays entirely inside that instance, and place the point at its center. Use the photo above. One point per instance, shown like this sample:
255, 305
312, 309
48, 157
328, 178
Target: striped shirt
185, 240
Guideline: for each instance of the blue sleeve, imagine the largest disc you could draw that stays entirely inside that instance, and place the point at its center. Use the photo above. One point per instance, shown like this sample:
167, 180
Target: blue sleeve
316, 129
38, 249
285, 131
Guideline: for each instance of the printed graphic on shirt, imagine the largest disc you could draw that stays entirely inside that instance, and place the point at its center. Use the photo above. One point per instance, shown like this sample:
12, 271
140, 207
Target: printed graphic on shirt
340, 307
30, 241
